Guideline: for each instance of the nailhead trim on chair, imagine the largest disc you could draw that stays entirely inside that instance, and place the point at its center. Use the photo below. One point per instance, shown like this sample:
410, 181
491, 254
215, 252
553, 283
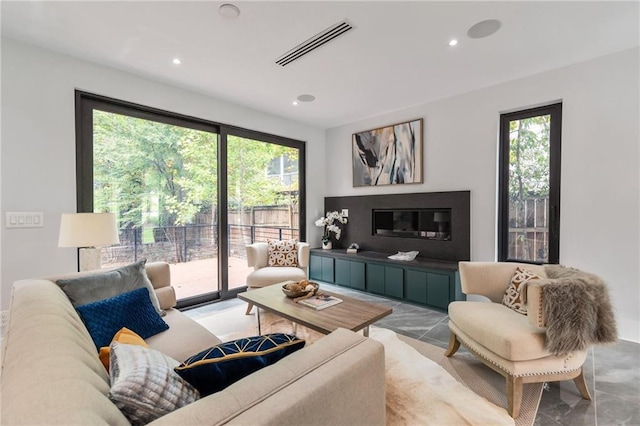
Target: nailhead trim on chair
566, 360
470, 349
539, 312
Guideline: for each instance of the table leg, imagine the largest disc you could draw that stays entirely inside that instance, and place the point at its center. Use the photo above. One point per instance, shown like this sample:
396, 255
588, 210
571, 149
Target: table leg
258, 316
295, 328
365, 331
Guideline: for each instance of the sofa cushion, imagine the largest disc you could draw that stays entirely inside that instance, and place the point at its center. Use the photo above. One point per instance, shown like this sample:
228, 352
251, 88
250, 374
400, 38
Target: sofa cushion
124, 335
515, 296
283, 253
193, 336
144, 385
133, 310
219, 366
268, 276
103, 285
499, 329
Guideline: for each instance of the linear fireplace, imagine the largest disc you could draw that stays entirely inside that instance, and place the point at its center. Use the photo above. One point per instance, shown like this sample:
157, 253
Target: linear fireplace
437, 224
433, 224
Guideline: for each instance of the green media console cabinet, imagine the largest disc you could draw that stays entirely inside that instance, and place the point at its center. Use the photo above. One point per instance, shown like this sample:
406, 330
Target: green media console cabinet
432, 283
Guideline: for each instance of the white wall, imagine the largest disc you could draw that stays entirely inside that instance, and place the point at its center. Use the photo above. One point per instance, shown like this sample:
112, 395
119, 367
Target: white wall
38, 146
600, 162
600, 157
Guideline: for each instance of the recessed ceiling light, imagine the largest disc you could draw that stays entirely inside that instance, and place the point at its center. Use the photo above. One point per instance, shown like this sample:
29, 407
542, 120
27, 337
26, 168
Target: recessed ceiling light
294, 103
453, 42
230, 11
177, 61
484, 28
306, 98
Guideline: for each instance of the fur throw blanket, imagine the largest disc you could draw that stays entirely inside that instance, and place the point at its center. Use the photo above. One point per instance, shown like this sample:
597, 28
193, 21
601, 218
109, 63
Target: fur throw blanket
577, 310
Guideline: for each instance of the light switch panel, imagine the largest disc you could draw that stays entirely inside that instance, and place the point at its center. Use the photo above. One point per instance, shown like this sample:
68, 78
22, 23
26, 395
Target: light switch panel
24, 220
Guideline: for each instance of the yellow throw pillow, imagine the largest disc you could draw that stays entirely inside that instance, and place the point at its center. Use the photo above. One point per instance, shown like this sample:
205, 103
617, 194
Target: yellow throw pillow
283, 253
125, 336
515, 297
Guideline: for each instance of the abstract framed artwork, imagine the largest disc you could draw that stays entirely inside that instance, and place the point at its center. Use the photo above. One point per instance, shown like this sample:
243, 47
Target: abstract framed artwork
389, 155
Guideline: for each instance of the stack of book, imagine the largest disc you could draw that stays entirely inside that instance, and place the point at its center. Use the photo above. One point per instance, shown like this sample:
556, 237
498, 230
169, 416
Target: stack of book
320, 302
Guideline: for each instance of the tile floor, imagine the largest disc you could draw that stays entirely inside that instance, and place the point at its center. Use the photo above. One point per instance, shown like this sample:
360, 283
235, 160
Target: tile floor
612, 372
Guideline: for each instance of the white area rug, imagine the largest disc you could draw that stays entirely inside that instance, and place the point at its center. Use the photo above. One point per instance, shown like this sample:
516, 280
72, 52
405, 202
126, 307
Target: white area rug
420, 392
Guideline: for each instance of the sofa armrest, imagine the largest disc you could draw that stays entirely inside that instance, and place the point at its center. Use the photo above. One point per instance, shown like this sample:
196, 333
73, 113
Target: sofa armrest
340, 379
303, 255
535, 313
491, 279
257, 255
159, 274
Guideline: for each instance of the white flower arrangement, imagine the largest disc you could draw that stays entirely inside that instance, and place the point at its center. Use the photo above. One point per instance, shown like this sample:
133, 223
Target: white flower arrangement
329, 226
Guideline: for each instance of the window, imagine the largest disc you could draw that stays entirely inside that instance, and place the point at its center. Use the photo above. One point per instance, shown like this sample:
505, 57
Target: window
529, 185
186, 191
284, 168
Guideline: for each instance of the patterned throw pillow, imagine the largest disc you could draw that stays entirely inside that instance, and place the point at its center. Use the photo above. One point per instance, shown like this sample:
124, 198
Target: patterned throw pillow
220, 366
123, 336
144, 385
283, 253
133, 310
515, 297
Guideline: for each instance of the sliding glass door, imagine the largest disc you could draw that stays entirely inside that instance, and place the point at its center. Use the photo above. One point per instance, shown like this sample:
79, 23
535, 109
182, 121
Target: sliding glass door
160, 181
263, 198
186, 191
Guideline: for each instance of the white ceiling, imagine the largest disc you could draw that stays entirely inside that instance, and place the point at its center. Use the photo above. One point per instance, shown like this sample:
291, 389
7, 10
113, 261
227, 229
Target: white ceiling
398, 55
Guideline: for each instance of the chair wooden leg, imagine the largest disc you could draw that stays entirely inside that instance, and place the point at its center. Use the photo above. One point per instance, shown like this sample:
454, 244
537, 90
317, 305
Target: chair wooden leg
581, 384
249, 307
514, 395
454, 345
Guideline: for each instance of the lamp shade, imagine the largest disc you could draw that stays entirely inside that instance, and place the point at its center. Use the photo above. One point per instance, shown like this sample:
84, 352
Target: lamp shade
88, 230
441, 217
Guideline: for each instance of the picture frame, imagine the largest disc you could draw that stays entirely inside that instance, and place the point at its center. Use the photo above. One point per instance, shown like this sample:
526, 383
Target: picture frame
390, 155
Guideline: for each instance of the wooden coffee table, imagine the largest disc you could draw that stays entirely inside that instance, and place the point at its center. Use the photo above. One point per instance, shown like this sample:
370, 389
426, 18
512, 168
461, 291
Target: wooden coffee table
351, 314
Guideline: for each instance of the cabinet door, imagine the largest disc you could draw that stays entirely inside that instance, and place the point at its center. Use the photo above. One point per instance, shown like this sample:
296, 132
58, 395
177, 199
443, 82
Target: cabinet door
327, 269
315, 268
416, 286
394, 282
356, 275
343, 275
375, 278
438, 290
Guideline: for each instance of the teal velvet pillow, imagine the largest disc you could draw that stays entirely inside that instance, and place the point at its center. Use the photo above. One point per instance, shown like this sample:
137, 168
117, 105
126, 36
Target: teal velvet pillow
102, 285
133, 310
219, 366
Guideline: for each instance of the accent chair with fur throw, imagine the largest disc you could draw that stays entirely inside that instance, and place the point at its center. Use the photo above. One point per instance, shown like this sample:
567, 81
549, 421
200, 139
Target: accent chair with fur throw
538, 326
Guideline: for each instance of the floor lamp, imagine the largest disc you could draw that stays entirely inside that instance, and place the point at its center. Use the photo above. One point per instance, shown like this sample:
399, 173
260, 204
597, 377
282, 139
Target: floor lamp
86, 231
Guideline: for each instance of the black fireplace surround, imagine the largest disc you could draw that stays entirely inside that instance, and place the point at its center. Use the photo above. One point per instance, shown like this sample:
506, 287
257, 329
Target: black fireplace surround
437, 224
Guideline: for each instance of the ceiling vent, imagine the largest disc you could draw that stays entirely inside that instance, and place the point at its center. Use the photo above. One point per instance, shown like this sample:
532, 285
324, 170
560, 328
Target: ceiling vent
315, 42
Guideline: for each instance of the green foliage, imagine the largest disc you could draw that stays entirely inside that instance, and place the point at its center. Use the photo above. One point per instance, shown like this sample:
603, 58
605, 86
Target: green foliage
247, 177
529, 158
153, 173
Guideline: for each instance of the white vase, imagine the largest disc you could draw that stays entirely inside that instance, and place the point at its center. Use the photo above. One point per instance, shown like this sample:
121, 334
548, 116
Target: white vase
327, 245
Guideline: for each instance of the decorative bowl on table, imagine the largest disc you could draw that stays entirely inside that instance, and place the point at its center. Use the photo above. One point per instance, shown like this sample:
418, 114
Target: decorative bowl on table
294, 289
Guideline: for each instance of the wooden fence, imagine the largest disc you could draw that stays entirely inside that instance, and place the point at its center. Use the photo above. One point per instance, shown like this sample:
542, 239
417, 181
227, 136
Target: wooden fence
176, 244
529, 230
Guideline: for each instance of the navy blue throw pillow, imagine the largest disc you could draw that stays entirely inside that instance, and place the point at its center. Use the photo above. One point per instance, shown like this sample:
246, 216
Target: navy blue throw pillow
133, 310
219, 366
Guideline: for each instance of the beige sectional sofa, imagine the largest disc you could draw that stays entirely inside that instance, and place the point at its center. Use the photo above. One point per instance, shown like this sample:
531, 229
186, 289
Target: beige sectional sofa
51, 373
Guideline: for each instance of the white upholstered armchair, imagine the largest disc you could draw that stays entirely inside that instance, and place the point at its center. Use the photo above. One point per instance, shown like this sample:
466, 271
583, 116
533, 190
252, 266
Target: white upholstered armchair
566, 311
264, 275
